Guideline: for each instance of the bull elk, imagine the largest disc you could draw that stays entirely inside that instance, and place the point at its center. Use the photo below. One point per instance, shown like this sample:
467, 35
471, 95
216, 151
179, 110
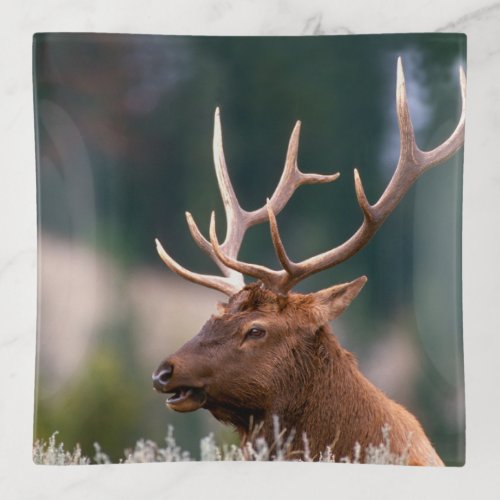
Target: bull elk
271, 352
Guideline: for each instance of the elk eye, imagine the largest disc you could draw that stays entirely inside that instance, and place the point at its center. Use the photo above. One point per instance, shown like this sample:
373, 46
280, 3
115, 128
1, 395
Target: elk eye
255, 333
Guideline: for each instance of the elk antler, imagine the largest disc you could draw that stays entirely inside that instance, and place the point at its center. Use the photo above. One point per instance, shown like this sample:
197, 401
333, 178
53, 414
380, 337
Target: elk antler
238, 219
412, 163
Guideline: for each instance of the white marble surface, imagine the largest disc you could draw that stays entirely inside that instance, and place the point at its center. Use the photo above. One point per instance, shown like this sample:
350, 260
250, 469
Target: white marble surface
480, 478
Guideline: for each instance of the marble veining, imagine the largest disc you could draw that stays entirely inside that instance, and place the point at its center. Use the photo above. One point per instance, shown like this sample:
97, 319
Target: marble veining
471, 17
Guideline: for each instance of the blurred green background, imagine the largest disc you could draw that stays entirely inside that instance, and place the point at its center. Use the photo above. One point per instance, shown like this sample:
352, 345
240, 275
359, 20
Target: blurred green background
124, 128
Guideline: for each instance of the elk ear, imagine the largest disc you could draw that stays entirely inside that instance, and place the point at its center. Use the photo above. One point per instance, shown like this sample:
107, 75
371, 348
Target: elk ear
334, 300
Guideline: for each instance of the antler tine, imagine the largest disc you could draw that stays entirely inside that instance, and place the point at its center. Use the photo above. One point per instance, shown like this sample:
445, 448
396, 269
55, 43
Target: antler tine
444, 151
288, 265
224, 285
291, 179
240, 220
406, 135
362, 199
235, 215
412, 163
267, 276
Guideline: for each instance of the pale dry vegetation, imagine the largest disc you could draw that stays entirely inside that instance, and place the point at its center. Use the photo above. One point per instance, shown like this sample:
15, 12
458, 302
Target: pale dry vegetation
146, 451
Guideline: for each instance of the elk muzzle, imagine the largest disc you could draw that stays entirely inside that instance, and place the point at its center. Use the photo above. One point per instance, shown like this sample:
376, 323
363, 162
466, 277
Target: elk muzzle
186, 395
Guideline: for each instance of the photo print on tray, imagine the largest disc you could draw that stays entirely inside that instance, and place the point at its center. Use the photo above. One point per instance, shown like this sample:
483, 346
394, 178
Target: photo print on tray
249, 248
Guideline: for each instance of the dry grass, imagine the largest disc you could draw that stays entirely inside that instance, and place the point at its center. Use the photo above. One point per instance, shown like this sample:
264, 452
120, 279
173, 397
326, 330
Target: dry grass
256, 449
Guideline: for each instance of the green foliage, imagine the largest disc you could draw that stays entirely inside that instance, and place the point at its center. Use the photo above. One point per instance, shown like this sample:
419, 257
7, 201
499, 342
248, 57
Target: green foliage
111, 400
100, 403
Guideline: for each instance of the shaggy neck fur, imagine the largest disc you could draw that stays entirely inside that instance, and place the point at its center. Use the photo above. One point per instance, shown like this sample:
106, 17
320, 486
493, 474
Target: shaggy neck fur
320, 392
331, 394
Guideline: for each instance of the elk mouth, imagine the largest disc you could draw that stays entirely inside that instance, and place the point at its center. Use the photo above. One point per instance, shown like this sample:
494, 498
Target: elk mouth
186, 399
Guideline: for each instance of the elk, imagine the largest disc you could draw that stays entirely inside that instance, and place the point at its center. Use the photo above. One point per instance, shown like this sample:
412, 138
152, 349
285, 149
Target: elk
271, 352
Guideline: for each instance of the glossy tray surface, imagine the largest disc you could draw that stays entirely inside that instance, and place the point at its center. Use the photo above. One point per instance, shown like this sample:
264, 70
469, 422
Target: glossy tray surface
124, 128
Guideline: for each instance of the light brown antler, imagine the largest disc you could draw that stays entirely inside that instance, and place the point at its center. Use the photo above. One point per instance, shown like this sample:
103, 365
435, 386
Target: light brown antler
412, 163
238, 219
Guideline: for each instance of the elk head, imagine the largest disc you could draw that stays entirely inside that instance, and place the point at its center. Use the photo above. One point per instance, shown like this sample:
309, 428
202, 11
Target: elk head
245, 357
268, 349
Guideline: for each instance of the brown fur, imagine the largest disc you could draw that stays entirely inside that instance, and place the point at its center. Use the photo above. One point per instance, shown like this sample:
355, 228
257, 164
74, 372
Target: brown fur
298, 372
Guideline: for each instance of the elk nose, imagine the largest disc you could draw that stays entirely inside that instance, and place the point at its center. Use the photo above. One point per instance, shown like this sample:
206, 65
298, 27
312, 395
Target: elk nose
162, 376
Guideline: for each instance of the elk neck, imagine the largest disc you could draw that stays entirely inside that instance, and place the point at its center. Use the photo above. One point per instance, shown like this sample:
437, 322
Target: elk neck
332, 400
